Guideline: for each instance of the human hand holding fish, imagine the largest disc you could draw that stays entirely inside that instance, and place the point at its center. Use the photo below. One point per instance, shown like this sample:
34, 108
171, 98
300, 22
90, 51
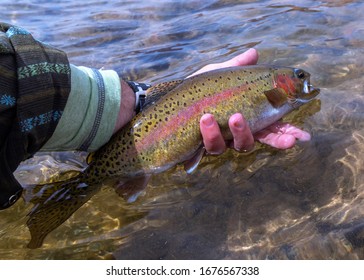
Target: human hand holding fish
278, 135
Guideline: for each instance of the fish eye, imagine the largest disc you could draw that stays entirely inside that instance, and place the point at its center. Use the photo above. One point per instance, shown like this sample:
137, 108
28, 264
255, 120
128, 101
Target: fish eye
300, 73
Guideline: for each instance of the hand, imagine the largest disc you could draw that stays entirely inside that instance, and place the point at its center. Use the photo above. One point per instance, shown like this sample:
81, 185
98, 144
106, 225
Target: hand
279, 135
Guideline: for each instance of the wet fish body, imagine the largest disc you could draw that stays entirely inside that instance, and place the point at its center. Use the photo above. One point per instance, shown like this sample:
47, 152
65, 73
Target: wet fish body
166, 132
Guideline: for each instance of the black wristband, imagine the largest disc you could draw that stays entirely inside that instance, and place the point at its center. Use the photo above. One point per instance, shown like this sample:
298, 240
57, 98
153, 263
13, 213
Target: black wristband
139, 90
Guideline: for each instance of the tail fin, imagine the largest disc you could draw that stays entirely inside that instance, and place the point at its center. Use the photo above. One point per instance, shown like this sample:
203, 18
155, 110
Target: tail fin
54, 204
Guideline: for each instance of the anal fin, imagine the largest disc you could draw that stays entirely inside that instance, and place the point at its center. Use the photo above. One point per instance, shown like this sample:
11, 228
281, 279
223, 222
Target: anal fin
131, 189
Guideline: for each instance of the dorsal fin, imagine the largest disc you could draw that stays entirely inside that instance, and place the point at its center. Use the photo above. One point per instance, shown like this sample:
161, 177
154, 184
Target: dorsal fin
276, 97
157, 91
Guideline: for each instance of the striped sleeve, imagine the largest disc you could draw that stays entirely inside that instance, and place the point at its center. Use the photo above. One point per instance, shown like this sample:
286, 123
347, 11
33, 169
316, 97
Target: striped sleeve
34, 88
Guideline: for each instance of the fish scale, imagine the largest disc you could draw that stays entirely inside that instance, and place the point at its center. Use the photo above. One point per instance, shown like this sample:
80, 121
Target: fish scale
167, 133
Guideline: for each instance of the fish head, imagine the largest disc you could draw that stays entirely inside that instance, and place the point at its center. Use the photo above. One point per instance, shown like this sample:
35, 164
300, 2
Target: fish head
295, 83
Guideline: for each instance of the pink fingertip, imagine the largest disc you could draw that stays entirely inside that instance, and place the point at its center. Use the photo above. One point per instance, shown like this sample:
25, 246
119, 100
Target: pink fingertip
304, 137
249, 57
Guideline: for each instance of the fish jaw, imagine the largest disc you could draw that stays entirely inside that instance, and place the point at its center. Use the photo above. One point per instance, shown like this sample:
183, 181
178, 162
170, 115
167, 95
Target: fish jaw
309, 92
295, 83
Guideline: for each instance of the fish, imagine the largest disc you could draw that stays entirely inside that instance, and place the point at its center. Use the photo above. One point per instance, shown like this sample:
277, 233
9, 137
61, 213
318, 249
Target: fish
166, 133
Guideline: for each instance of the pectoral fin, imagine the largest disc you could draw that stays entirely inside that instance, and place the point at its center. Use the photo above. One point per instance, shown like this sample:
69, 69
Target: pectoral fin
131, 189
191, 164
276, 97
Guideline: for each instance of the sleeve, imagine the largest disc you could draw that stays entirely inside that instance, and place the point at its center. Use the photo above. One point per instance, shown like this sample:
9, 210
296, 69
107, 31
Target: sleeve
34, 88
91, 112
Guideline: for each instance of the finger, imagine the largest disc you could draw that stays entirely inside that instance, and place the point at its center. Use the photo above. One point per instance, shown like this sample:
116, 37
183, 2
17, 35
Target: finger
276, 140
249, 57
286, 128
213, 141
243, 138
282, 135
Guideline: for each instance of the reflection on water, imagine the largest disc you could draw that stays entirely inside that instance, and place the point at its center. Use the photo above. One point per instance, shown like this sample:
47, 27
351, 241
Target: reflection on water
302, 203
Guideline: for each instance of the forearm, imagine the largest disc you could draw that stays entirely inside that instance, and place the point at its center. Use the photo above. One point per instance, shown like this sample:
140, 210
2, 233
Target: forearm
99, 104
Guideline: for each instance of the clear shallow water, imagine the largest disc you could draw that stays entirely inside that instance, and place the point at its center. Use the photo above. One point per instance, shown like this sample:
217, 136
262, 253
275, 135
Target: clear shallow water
303, 203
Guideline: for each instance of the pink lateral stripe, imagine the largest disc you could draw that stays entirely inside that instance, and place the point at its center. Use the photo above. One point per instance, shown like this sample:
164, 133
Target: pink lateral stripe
168, 129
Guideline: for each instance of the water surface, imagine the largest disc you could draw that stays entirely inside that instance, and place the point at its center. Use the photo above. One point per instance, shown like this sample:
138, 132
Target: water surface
302, 203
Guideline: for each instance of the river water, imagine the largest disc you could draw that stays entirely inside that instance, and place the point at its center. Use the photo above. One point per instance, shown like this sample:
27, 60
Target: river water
302, 203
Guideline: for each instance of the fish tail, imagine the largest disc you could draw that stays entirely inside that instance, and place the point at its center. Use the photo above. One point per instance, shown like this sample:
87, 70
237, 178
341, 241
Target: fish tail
54, 203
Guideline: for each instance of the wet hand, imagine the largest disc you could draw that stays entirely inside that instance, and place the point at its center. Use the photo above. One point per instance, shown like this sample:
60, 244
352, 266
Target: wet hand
279, 135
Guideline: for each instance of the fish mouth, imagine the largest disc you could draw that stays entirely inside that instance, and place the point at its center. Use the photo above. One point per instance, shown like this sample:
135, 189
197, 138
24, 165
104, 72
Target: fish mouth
308, 92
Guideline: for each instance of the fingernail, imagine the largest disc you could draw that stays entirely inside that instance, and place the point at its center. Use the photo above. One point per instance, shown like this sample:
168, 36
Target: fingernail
238, 124
207, 120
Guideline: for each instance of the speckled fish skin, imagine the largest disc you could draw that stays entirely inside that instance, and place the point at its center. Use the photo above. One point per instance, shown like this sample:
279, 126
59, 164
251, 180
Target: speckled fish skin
167, 132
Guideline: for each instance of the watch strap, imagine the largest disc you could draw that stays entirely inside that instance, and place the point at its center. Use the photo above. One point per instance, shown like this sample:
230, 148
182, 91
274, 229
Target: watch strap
139, 90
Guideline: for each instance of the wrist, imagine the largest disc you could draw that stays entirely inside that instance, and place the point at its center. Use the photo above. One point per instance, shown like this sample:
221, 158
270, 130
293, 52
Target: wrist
127, 106
132, 101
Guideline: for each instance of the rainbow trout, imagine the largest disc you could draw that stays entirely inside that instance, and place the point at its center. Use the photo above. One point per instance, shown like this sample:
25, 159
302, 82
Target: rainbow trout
166, 132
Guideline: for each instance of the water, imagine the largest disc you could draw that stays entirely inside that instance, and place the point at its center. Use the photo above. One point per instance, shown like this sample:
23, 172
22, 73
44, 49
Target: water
302, 203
